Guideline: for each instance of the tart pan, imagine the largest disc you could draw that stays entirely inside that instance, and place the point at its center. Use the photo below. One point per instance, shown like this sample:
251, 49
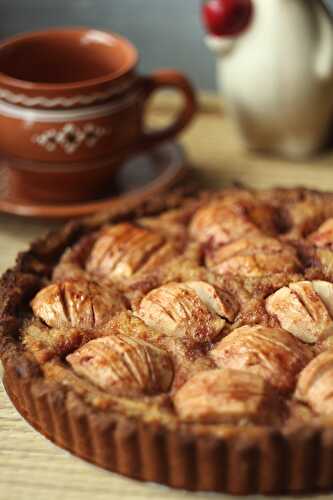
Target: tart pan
238, 461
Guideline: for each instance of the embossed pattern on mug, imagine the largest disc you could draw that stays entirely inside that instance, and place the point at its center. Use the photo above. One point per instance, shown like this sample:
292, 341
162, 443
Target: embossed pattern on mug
70, 137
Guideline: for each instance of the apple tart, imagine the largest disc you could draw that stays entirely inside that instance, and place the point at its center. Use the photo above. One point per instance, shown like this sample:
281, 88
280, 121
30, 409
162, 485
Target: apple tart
189, 342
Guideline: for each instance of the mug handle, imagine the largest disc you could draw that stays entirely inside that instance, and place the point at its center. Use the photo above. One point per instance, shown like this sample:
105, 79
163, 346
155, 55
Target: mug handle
169, 79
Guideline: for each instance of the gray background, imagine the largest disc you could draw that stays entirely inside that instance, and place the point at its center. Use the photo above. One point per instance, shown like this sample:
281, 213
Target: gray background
168, 33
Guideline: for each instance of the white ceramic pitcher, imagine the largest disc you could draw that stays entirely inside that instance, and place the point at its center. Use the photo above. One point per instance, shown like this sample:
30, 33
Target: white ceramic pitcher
277, 76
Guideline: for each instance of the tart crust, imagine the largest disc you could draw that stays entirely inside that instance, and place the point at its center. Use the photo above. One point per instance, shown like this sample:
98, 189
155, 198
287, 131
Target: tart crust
235, 459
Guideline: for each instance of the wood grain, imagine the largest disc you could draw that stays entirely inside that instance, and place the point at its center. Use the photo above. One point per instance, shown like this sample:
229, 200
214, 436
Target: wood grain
31, 468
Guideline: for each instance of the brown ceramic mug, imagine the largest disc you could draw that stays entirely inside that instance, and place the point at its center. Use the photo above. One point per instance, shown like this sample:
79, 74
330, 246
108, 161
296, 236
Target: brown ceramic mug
71, 101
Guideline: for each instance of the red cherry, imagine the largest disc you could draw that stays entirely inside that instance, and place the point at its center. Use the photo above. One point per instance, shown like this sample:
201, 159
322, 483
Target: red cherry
226, 17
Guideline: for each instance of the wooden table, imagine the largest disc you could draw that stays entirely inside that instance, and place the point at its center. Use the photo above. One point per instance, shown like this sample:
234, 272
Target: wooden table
31, 468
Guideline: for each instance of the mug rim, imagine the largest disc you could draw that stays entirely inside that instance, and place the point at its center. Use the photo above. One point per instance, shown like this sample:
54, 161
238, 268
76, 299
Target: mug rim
109, 77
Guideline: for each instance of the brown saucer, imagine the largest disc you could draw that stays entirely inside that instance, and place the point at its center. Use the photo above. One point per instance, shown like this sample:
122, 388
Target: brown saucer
142, 177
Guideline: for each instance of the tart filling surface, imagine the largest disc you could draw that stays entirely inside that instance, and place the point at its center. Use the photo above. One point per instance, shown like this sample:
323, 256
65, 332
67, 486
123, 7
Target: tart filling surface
213, 314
